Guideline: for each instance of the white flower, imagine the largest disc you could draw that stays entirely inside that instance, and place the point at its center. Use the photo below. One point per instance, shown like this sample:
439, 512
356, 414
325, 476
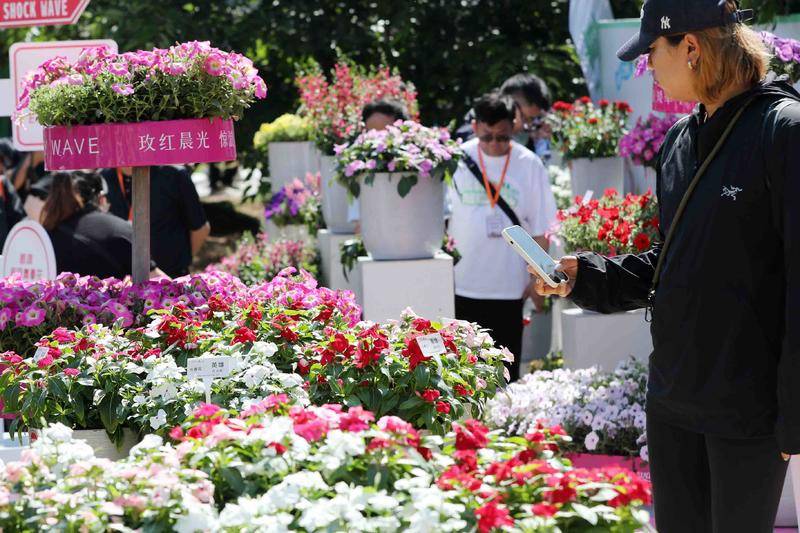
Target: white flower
591, 441
254, 376
149, 442
338, 446
644, 454
199, 517
57, 433
159, 420
263, 349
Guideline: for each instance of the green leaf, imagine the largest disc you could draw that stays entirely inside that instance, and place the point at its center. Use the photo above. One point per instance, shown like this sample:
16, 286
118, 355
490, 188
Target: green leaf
58, 389
405, 184
411, 403
233, 477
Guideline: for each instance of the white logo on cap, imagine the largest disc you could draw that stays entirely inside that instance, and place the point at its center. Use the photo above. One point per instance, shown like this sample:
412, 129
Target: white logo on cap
665, 23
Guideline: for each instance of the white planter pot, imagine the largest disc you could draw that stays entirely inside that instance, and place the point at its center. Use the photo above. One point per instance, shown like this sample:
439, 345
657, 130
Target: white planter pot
102, 445
290, 160
395, 228
334, 197
291, 232
591, 339
597, 175
649, 182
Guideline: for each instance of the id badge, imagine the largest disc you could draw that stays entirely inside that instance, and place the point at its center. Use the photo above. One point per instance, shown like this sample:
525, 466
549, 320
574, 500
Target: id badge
494, 226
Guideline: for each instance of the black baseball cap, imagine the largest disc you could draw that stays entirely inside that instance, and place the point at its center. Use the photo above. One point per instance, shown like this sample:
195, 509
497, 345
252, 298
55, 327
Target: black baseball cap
673, 17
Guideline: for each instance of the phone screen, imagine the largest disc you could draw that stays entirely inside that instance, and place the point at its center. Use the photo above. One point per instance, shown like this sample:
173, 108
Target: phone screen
520, 237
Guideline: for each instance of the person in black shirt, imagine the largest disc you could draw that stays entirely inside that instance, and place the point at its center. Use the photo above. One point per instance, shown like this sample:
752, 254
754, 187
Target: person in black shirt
178, 225
86, 240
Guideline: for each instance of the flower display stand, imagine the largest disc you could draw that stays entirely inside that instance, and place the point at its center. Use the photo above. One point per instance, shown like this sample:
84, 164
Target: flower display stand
11, 448
591, 339
385, 288
103, 447
329, 244
139, 145
290, 160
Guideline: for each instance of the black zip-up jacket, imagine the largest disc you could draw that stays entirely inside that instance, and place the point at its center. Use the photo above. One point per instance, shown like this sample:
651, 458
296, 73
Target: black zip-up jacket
726, 314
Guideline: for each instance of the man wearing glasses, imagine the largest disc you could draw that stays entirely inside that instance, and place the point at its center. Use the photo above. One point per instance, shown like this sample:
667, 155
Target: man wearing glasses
501, 183
533, 100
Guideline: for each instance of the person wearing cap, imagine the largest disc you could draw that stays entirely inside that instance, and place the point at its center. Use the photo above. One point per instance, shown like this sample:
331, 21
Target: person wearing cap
722, 287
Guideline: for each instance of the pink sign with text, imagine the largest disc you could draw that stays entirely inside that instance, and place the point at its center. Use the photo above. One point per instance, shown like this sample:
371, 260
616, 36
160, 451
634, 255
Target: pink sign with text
139, 144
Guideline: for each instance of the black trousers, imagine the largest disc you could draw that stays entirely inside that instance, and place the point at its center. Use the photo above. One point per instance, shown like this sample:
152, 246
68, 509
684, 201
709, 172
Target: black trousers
709, 484
504, 320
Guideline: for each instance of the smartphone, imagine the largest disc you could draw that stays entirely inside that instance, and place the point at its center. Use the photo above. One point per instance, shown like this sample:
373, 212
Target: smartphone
534, 255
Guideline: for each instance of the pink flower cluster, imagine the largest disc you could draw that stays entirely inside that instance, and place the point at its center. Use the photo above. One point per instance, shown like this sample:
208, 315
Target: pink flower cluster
644, 141
187, 59
72, 300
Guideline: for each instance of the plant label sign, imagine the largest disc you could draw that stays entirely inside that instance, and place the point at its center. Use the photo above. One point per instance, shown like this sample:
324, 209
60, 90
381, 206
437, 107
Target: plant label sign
209, 367
26, 57
139, 144
28, 251
431, 345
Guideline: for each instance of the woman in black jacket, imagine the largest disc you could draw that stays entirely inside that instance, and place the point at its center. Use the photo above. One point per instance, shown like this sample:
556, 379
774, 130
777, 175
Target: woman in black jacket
723, 401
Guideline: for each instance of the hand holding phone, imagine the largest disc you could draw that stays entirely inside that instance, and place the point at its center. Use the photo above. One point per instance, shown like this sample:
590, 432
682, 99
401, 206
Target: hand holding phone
539, 260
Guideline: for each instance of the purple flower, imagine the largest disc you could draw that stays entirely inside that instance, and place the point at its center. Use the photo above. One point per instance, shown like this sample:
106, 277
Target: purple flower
32, 316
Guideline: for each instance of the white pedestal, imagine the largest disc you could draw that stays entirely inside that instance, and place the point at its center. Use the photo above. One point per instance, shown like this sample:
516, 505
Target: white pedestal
591, 339
11, 449
385, 288
331, 261
789, 508
794, 473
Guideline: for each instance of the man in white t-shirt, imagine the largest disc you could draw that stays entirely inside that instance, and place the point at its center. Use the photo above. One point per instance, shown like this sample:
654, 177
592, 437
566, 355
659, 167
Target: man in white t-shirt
492, 281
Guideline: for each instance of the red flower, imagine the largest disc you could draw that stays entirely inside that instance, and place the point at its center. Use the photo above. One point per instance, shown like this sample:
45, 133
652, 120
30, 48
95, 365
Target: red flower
289, 335
430, 395
544, 509
324, 315
340, 344
593, 120
62, 335
642, 242
471, 436
279, 448
622, 232
623, 106
244, 335
71, 372
585, 100
562, 490
303, 367
493, 516
414, 354
602, 233
217, 303
421, 325
461, 390
603, 103
443, 407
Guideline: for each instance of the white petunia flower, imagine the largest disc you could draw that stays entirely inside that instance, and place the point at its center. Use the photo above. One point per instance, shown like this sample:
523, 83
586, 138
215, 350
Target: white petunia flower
159, 420
591, 441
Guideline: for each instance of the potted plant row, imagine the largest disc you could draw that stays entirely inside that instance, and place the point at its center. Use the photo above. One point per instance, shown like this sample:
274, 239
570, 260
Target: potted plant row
286, 143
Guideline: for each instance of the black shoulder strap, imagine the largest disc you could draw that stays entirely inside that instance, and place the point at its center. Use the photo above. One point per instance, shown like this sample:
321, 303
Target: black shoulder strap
501, 202
689, 191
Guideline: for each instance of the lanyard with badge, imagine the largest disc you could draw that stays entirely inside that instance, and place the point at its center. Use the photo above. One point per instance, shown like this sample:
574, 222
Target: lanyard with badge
494, 222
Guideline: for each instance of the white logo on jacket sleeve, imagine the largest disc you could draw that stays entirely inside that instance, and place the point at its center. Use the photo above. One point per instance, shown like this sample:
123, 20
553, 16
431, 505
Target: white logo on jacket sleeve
665, 25
730, 192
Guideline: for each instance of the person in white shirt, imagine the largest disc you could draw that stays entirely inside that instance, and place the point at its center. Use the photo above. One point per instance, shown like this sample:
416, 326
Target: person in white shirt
492, 281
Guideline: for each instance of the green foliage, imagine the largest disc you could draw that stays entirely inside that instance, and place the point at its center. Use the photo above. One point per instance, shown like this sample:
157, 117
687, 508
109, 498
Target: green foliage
286, 128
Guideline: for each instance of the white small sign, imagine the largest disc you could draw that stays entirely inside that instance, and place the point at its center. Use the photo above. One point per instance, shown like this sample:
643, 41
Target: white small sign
41, 353
29, 252
209, 367
431, 345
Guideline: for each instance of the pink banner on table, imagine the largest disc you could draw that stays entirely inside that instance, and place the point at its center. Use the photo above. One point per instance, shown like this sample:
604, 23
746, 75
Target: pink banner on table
139, 144
588, 460
665, 105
